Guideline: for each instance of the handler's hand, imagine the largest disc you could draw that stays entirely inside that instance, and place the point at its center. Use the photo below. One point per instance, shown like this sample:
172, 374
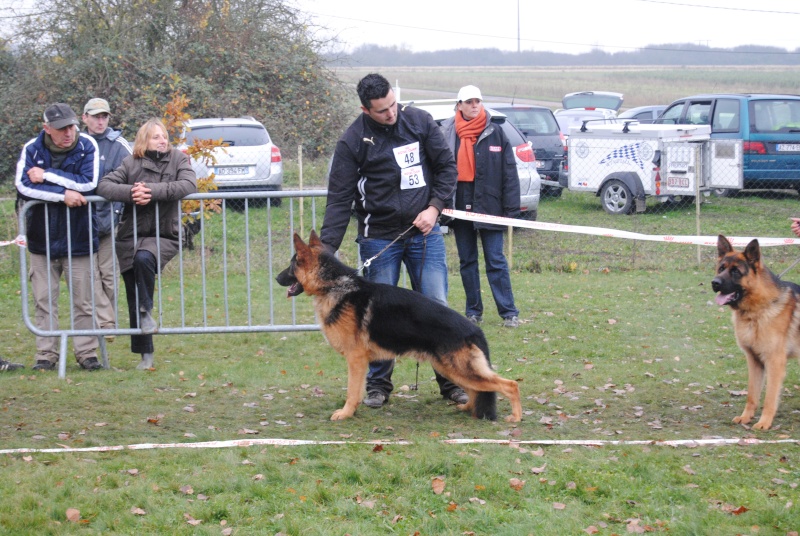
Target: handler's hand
140, 193
36, 175
795, 226
73, 198
426, 220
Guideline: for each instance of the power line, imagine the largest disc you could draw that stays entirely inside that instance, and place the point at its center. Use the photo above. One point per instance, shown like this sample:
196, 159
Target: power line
591, 45
746, 10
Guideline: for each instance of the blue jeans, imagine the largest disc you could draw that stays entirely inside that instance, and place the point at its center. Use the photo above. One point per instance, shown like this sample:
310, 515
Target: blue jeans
496, 268
424, 258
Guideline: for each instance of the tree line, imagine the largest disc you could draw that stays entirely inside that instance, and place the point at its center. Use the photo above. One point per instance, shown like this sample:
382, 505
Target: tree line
668, 54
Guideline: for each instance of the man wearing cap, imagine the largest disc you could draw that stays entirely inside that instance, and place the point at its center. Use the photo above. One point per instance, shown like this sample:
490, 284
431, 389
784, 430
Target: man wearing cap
113, 149
488, 183
393, 168
60, 166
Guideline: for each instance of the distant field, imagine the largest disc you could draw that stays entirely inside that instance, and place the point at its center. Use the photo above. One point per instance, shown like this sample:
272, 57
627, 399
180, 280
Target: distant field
641, 85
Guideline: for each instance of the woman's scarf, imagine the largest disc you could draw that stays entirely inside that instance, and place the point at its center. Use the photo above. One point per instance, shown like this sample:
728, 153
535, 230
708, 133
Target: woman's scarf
468, 132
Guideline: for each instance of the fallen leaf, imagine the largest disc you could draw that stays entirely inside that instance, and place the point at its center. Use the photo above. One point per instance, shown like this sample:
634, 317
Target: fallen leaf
689, 470
516, 483
245, 431
591, 529
187, 490
192, 521
452, 507
135, 510
438, 485
559, 506
73, 515
476, 500
538, 470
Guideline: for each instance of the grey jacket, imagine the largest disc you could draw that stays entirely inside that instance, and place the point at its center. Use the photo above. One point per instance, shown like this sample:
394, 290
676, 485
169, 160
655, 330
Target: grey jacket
170, 179
113, 149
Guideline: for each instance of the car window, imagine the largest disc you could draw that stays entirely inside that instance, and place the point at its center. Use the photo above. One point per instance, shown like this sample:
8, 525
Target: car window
532, 122
233, 135
643, 116
726, 116
698, 113
514, 136
775, 115
672, 114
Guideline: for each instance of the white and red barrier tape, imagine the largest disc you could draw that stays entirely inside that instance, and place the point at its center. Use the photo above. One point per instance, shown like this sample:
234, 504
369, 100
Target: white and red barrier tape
736, 241
689, 443
19, 240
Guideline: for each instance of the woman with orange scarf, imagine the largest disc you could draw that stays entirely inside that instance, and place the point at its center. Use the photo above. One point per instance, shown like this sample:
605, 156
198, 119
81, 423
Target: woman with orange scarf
487, 184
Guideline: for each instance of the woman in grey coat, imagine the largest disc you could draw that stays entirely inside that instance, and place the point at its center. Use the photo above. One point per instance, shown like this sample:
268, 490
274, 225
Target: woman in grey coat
153, 180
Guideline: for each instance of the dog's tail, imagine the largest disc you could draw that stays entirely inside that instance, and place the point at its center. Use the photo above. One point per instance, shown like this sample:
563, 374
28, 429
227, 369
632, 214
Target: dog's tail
486, 406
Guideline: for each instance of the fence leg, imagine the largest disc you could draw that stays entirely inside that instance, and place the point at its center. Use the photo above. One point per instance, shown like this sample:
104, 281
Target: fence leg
62, 357
101, 340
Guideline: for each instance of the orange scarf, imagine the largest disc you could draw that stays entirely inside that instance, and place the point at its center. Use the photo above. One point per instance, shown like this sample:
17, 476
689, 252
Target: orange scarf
468, 132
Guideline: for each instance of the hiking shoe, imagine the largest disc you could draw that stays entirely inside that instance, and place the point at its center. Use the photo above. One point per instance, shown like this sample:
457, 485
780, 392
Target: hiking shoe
458, 396
375, 399
91, 363
475, 319
511, 322
6, 365
44, 365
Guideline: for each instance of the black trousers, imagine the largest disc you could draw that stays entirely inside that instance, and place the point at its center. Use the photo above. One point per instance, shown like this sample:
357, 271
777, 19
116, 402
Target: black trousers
140, 284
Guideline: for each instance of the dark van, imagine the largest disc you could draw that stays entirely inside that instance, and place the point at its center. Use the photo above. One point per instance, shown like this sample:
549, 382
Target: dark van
768, 125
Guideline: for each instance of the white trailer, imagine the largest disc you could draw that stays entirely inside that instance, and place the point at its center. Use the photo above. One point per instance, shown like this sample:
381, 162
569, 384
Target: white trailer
625, 162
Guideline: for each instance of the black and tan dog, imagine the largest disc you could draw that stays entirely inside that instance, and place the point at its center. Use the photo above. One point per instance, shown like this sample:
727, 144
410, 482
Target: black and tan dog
766, 318
367, 321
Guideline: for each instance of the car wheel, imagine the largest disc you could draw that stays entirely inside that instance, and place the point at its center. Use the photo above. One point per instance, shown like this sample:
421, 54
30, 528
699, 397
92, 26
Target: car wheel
725, 192
616, 197
551, 192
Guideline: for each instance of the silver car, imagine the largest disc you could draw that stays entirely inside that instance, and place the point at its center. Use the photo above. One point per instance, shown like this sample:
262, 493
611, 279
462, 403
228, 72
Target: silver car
249, 161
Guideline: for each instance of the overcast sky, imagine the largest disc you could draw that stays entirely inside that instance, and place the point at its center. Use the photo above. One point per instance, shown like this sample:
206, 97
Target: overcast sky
571, 26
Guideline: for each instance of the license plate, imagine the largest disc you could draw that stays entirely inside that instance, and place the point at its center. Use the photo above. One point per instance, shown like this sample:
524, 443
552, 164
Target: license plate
792, 147
237, 170
677, 182
539, 164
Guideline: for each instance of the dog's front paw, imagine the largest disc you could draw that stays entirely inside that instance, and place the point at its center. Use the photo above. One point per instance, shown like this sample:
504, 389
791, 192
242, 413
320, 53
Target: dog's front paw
512, 418
341, 414
742, 419
762, 425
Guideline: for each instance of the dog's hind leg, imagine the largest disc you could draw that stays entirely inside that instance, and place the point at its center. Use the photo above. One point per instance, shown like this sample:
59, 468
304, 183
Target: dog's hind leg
357, 365
755, 382
776, 372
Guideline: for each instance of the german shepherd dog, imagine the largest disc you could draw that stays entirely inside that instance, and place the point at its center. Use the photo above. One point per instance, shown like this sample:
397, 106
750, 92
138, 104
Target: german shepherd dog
766, 319
366, 321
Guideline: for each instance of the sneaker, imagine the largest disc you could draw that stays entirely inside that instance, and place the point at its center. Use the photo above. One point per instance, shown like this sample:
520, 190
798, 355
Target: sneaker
91, 363
511, 322
147, 323
475, 319
375, 399
458, 396
44, 365
6, 365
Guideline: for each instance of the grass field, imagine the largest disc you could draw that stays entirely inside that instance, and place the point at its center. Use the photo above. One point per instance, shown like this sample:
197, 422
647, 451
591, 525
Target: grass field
621, 350
620, 346
641, 85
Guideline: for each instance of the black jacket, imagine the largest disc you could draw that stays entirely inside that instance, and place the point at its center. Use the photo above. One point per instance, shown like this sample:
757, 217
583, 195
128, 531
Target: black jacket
496, 179
366, 168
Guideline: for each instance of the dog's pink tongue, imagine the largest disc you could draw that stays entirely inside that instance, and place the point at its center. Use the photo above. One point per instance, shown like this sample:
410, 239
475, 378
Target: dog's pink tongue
722, 299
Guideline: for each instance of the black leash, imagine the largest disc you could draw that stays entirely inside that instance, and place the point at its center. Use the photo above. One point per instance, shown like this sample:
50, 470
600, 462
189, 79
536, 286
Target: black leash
369, 261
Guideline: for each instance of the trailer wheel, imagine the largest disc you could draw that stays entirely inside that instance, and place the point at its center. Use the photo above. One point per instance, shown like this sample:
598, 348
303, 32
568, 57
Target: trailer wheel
616, 197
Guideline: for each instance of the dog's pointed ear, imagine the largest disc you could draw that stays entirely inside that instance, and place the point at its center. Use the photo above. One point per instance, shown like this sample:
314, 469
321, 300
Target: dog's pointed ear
314, 240
752, 253
299, 245
723, 246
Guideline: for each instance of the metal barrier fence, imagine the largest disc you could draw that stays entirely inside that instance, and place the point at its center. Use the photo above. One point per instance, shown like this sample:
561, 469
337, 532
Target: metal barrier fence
221, 281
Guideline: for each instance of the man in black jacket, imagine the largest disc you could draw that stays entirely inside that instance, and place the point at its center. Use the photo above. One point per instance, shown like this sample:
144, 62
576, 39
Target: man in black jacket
393, 167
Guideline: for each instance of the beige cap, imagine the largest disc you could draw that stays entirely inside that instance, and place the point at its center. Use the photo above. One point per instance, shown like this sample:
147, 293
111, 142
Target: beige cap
97, 106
